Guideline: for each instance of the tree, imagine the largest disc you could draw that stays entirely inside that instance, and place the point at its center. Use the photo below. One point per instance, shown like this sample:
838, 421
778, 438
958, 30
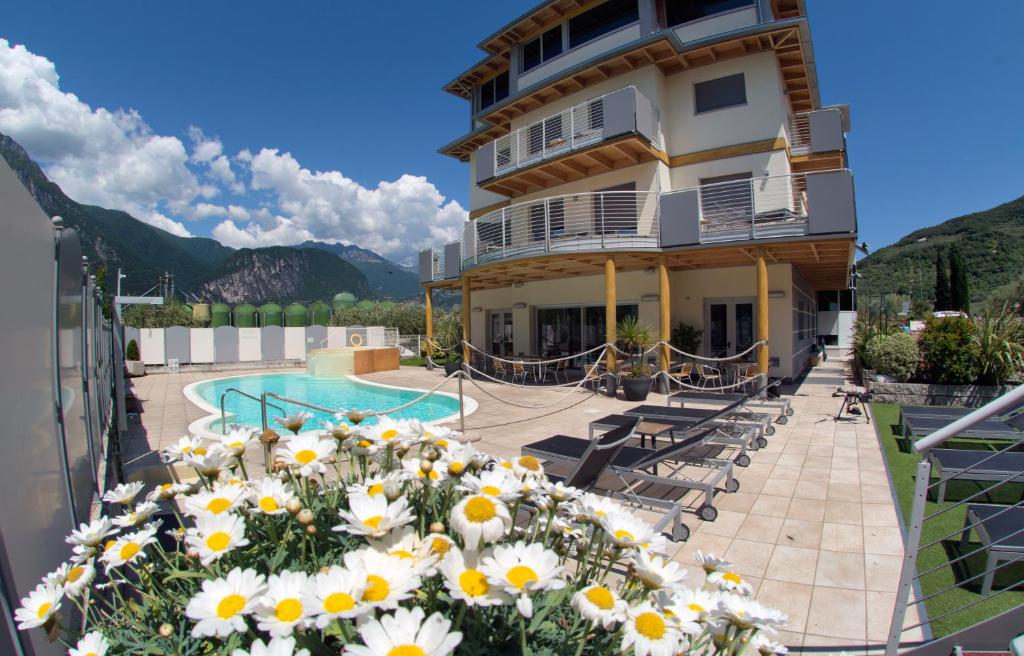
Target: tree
959, 294
942, 295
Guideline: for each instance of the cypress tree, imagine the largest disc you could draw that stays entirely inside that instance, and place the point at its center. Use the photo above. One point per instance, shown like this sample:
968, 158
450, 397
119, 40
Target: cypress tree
942, 295
959, 295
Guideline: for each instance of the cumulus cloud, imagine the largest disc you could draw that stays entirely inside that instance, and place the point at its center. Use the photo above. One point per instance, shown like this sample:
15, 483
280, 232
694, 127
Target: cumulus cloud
113, 159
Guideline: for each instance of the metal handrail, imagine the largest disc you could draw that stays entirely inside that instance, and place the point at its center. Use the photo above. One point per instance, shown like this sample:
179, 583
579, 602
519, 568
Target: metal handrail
223, 415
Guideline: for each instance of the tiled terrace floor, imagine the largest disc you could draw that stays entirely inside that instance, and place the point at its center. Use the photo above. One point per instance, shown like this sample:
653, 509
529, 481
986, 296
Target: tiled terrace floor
813, 527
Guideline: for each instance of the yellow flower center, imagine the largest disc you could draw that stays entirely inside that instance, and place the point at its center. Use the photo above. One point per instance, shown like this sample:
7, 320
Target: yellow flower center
473, 583
624, 535
339, 602
166, 486
389, 434
401, 553
440, 546
441, 443
650, 626
529, 462
373, 522
375, 489
697, 608
732, 577
199, 450
288, 610
235, 445
520, 575
128, 551
600, 597
406, 650
377, 589
230, 606
456, 468
218, 541
480, 509
269, 505
490, 490
506, 464
432, 475
75, 573
218, 505
43, 610
306, 456
109, 545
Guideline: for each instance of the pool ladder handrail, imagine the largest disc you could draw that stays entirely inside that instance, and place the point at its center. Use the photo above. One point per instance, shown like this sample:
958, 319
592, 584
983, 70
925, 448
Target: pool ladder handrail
223, 415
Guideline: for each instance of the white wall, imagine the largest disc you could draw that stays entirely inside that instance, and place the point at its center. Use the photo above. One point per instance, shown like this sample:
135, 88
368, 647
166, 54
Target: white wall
249, 345
152, 345
295, 343
201, 345
774, 163
336, 337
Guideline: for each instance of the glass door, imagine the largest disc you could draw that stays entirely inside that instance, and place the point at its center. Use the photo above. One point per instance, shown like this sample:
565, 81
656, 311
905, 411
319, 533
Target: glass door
501, 333
729, 326
718, 330
744, 322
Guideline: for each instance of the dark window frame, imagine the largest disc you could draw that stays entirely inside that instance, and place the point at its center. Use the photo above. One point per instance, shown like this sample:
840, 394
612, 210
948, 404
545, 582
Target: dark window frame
548, 47
629, 13
494, 90
696, 10
717, 87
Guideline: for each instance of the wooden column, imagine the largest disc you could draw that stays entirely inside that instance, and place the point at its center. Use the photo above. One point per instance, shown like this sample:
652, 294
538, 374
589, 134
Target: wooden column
762, 312
430, 321
467, 317
610, 305
665, 308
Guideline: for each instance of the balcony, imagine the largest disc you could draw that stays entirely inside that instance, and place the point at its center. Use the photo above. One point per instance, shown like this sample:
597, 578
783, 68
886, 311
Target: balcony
734, 212
817, 140
612, 131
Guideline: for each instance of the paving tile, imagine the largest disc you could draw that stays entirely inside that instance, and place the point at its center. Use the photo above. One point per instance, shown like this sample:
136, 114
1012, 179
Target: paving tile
882, 572
800, 533
749, 558
792, 564
812, 510
880, 606
773, 506
840, 570
837, 612
761, 528
883, 540
779, 487
842, 537
793, 599
843, 512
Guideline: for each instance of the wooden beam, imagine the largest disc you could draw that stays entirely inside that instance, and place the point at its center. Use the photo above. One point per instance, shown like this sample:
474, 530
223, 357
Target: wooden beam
762, 312
467, 318
610, 305
664, 311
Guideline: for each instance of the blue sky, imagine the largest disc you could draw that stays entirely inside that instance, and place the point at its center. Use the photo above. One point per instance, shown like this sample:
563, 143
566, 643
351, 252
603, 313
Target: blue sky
353, 90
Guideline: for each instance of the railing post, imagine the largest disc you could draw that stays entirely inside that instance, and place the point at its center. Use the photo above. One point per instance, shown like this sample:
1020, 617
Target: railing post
263, 422
914, 526
600, 205
462, 407
547, 225
476, 243
503, 245
572, 128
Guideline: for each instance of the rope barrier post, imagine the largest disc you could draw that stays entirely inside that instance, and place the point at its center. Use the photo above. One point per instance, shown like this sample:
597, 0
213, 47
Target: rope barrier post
462, 407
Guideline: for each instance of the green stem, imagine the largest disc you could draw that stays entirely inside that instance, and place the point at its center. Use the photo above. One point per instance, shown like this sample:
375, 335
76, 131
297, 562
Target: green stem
524, 648
583, 638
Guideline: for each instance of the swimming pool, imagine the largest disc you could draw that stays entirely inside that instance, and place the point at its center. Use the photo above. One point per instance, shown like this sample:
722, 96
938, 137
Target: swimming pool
349, 393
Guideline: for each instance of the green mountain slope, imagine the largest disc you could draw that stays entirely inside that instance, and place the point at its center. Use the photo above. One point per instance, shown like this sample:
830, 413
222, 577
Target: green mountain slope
991, 243
386, 279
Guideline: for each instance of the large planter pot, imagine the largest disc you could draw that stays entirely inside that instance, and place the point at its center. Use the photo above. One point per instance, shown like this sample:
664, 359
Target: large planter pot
636, 389
135, 367
611, 385
451, 367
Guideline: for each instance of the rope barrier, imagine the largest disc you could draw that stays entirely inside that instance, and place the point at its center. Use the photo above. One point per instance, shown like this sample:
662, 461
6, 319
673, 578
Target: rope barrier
570, 392
500, 381
754, 346
535, 362
719, 388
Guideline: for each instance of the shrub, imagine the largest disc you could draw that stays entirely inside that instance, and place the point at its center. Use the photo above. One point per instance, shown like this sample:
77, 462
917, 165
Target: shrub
894, 355
131, 351
998, 337
949, 352
864, 330
686, 338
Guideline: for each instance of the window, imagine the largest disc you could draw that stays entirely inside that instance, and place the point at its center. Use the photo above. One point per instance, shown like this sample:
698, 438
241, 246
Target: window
678, 12
728, 91
602, 19
543, 48
494, 90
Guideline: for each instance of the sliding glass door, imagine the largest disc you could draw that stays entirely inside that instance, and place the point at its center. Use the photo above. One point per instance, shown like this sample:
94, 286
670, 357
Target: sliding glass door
569, 330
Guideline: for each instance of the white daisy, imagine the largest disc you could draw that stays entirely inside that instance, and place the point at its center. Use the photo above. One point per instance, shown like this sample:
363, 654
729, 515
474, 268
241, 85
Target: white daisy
457, 458
39, 606
339, 429
560, 492
745, 613
595, 507
215, 535
271, 495
222, 499
730, 581
768, 647
237, 440
124, 493
480, 518
306, 452
334, 594
464, 580
373, 485
649, 632
91, 644
295, 421
139, 515
415, 467
75, 577
599, 604
406, 633
497, 483
386, 432
389, 579
406, 543
705, 604
220, 608
211, 463
184, 446
658, 573
439, 544
281, 609
527, 466
360, 445
711, 563
522, 569
91, 534
276, 647
626, 530
374, 516
130, 548
168, 491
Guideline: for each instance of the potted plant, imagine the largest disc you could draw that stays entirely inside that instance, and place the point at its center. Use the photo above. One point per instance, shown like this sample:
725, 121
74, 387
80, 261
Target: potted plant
635, 337
687, 338
132, 360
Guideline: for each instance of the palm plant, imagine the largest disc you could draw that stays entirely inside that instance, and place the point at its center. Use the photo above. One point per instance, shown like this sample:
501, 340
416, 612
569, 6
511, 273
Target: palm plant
636, 337
999, 338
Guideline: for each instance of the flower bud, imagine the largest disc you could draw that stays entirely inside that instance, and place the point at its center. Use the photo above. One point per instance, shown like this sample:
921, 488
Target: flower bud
432, 454
437, 527
324, 569
392, 489
166, 630
305, 516
269, 437
426, 466
293, 506
280, 467
311, 529
356, 417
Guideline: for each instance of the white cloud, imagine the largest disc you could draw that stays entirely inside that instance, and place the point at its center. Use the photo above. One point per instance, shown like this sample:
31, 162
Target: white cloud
284, 232
208, 210
238, 213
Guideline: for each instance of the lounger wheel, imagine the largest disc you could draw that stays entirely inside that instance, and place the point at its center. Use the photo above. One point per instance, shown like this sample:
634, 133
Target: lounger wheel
789, 412
782, 420
732, 486
707, 513
762, 442
770, 430
681, 533
742, 460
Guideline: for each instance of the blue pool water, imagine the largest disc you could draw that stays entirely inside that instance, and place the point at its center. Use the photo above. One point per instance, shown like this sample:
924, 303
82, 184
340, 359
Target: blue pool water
342, 393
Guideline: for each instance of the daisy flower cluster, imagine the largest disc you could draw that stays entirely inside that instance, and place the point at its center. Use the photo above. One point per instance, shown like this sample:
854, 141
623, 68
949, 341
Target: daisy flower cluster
378, 537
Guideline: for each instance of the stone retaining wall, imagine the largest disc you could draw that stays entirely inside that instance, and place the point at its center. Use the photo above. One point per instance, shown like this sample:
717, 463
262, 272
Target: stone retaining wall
968, 396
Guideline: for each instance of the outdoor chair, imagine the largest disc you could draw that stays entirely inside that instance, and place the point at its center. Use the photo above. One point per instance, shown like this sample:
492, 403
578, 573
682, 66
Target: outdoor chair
735, 416
989, 429
560, 368
684, 373
519, 371
740, 438
708, 376
500, 371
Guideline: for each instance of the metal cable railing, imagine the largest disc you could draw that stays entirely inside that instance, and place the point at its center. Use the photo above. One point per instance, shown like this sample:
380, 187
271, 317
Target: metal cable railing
949, 583
749, 208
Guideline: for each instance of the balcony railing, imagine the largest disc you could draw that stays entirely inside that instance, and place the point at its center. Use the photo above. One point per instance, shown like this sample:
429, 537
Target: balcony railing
753, 208
574, 222
816, 132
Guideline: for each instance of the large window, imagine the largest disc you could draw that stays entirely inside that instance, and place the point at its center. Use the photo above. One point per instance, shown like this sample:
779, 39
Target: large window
722, 92
568, 330
543, 48
684, 11
602, 19
494, 90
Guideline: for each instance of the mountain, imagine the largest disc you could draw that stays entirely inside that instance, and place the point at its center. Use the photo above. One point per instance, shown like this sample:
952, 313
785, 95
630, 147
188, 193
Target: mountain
281, 274
386, 279
991, 243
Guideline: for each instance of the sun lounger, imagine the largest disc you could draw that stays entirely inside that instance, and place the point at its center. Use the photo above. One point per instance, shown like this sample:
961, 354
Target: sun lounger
949, 413
989, 429
780, 405
742, 437
634, 471
965, 465
762, 423
1000, 530
596, 457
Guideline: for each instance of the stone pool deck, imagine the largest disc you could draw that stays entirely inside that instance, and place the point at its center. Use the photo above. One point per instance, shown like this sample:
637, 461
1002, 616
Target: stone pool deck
813, 526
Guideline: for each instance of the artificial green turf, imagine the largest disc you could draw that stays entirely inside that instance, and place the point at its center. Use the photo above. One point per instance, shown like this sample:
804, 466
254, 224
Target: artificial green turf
902, 467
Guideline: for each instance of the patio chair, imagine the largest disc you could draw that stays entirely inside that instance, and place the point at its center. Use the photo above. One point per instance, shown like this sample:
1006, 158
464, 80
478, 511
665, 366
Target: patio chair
989, 429
560, 368
684, 373
708, 376
755, 399
519, 371
500, 371
735, 415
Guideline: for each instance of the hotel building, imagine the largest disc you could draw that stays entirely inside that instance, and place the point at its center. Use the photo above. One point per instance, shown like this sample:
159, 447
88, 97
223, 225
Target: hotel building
669, 159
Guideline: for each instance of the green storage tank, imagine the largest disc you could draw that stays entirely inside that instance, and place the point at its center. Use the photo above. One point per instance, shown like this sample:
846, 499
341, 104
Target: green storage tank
200, 312
271, 314
220, 315
245, 315
364, 304
295, 316
319, 314
343, 300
